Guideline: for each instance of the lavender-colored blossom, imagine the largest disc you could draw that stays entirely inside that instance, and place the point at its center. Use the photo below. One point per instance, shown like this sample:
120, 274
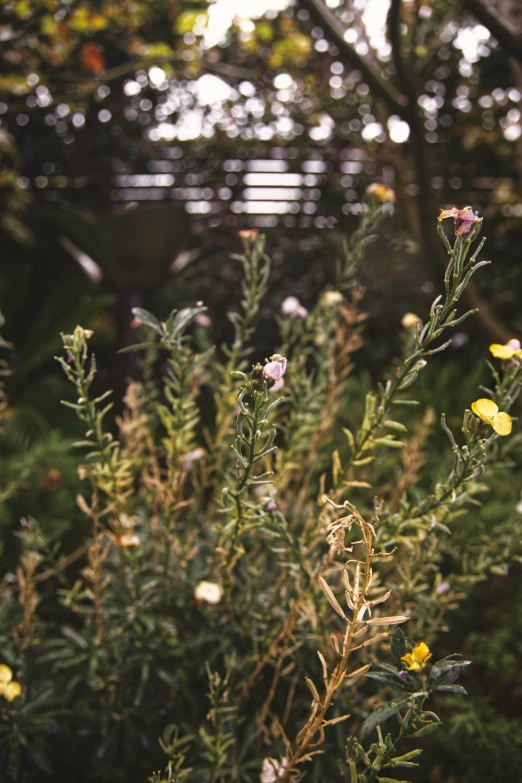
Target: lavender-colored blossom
277, 386
293, 308
275, 369
271, 506
403, 675
443, 588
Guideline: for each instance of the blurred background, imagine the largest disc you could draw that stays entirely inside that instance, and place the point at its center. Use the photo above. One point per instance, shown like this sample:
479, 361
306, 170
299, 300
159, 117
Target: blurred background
138, 138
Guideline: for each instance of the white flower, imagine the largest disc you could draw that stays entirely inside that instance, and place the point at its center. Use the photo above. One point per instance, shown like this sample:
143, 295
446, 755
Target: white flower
519, 506
272, 770
208, 592
513, 344
293, 308
191, 457
331, 299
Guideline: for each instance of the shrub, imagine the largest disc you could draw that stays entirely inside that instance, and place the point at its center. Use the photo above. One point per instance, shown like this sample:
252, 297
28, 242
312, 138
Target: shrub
250, 559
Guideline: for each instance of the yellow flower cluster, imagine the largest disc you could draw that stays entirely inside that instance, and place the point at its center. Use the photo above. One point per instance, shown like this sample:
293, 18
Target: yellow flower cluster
418, 658
9, 689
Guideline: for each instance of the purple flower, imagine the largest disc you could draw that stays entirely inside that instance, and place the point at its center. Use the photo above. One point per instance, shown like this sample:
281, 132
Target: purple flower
271, 506
403, 675
275, 369
464, 217
443, 588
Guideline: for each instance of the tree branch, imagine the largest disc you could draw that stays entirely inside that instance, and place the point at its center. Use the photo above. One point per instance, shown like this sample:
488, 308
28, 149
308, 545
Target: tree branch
335, 31
506, 34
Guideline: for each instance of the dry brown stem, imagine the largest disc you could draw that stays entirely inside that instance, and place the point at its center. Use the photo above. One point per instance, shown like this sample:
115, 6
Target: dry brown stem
357, 598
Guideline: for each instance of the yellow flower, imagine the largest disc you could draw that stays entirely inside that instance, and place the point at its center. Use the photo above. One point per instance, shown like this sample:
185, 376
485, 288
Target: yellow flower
487, 410
508, 351
8, 688
418, 658
381, 192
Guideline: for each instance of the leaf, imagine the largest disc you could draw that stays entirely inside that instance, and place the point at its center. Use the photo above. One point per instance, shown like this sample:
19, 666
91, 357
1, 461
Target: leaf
426, 730
399, 618
452, 689
446, 671
389, 679
182, 319
334, 603
137, 347
75, 637
148, 319
382, 714
398, 646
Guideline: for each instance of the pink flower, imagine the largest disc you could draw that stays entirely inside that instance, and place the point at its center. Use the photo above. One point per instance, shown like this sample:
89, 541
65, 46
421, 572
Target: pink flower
275, 369
277, 386
443, 588
203, 320
465, 217
519, 506
293, 308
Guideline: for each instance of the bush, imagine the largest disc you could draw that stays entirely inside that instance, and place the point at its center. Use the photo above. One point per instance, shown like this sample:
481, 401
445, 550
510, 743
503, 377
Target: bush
229, 598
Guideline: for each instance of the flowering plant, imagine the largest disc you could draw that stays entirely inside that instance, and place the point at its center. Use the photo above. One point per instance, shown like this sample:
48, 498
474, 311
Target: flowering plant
240, 590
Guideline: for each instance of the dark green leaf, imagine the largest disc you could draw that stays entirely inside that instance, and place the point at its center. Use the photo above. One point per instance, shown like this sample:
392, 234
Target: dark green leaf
452, 689
398, 646
382, 714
